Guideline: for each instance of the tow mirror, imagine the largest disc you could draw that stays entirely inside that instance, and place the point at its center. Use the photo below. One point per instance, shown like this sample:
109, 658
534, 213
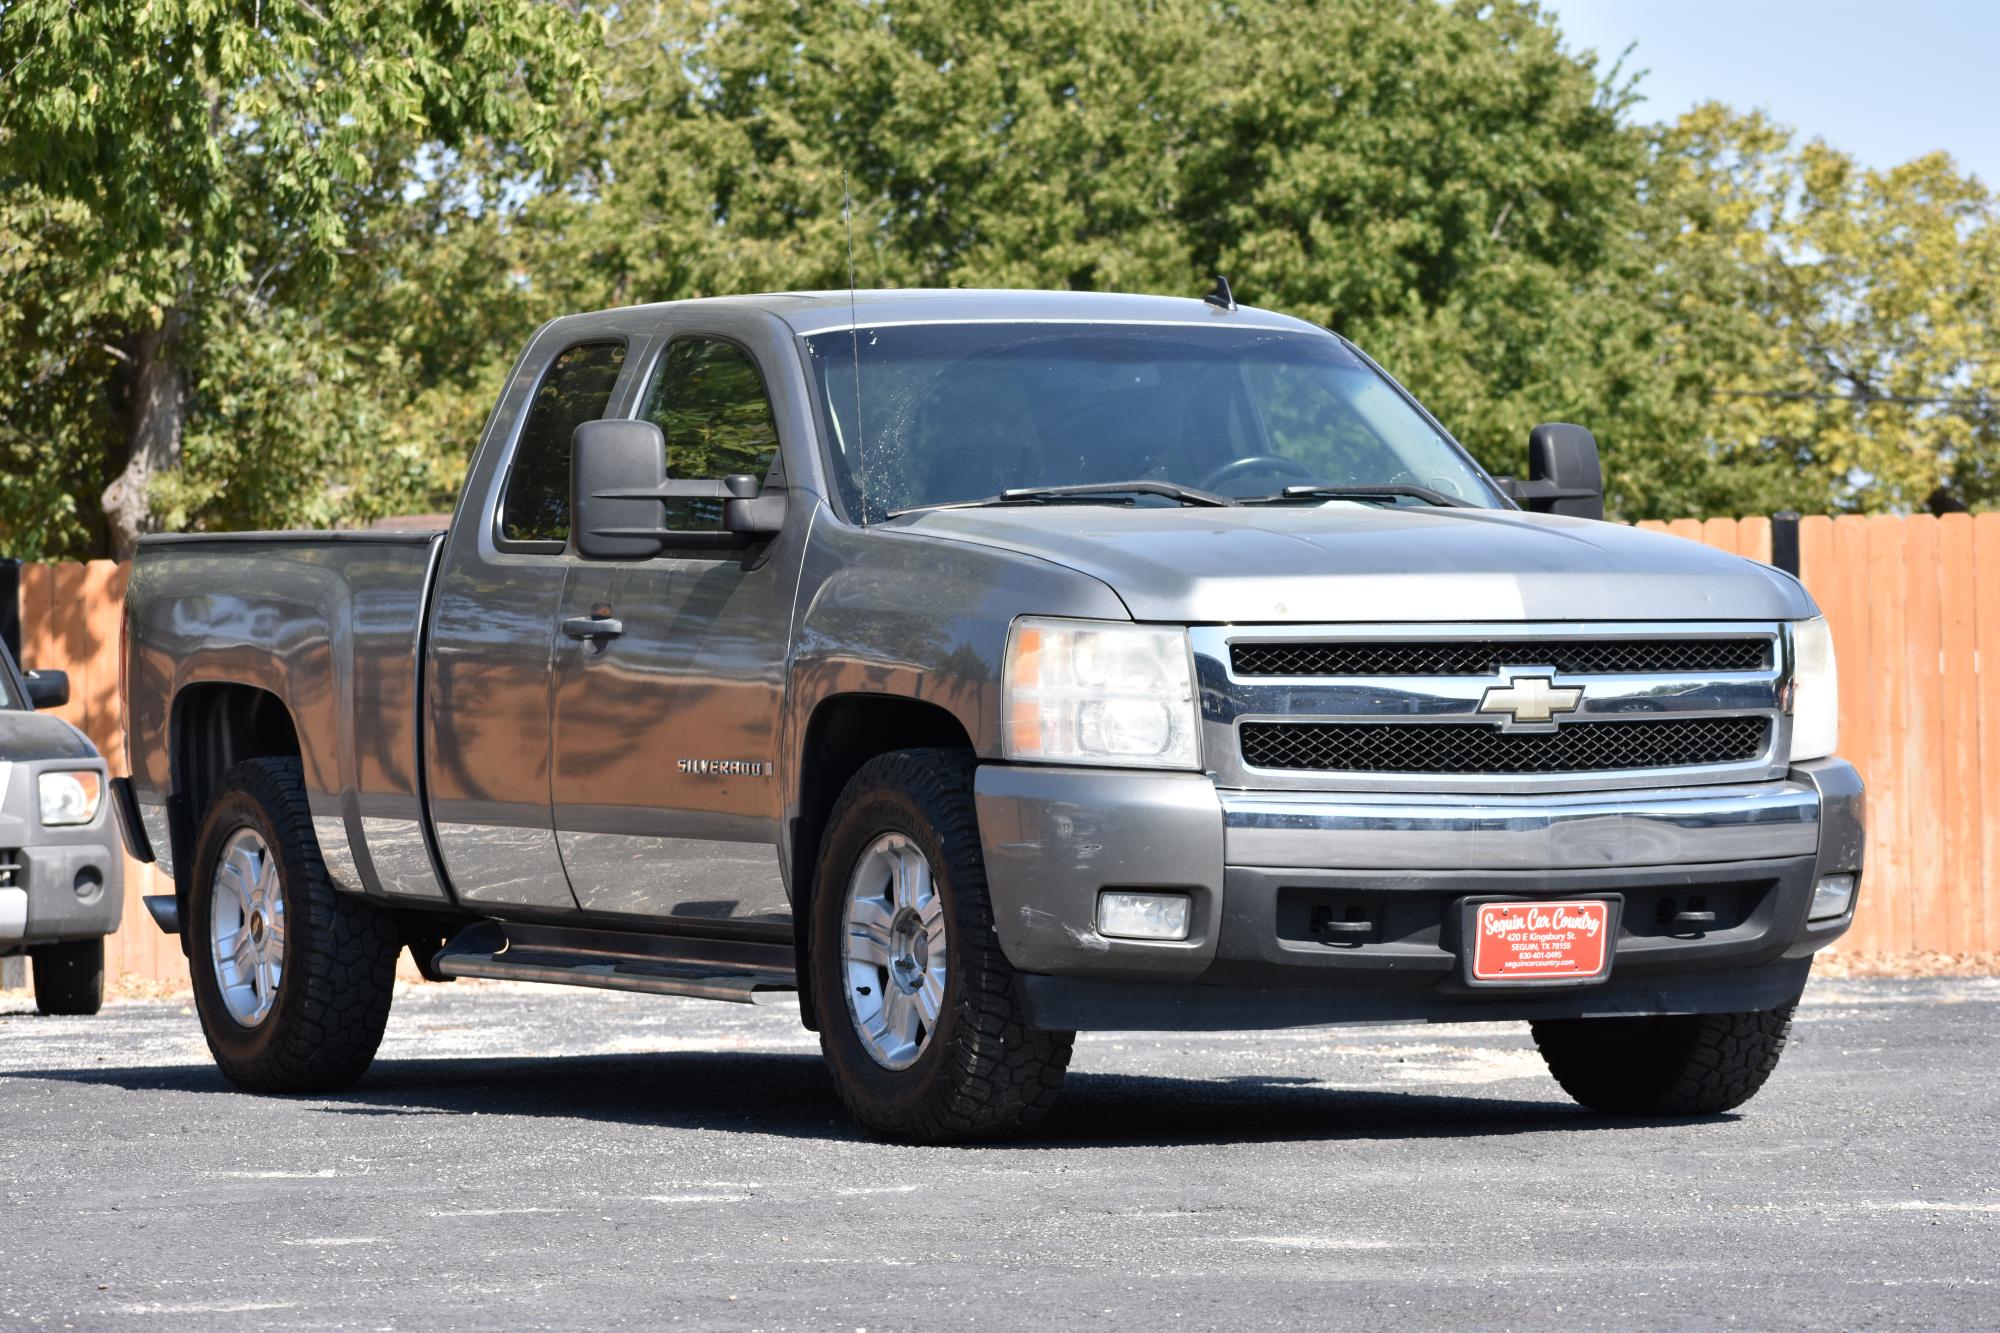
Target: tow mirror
46, 689
1564, 474
618, 481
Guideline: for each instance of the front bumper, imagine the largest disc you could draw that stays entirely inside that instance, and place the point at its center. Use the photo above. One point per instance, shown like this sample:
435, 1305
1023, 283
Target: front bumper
1264, 871
63, 884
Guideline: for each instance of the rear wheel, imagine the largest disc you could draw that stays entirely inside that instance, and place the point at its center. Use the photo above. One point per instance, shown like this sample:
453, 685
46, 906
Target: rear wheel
919, 1021
69, 978
291, 978
1666, 1065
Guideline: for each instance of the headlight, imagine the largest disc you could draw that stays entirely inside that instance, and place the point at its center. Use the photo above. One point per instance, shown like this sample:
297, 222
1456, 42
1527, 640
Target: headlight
1815, 691
70, 798
1095, 692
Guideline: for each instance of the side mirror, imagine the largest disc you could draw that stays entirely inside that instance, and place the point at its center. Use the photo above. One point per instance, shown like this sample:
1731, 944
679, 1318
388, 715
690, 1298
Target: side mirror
47, 689
616, 471
617, 480
1564, 474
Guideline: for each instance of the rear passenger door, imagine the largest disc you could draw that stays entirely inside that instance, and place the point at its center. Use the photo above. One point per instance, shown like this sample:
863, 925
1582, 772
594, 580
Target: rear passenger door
492, 633
665, 737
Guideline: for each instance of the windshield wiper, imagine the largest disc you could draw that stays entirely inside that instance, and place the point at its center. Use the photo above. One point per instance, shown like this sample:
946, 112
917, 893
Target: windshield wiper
1315, 491
1110, 490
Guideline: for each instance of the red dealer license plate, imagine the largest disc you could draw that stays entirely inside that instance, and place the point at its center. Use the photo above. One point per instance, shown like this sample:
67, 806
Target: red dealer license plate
1565, 941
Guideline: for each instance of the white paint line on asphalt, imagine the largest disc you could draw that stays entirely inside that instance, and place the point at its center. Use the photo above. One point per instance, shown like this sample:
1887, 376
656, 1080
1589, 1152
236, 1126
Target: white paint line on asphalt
1929, 1206
1316, 1242
248, 1307
326, 1174
494, 1212
695, 1198
878, 1189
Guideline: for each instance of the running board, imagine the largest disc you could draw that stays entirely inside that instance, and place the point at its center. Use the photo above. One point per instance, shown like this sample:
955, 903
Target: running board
744, 971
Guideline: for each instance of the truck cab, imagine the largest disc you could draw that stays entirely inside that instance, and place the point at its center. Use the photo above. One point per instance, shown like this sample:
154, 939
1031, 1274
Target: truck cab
979, 667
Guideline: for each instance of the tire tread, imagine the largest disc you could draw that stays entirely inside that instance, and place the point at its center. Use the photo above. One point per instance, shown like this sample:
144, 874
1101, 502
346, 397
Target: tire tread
1002, 1076
337, 987
1679, 1065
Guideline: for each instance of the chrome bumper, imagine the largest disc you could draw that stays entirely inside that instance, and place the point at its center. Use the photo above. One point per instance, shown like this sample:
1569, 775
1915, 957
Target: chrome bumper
1587, 830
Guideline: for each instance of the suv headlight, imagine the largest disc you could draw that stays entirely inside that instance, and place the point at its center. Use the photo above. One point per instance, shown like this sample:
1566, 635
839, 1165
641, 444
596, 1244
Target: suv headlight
1815, 691
1099, 692
70, 797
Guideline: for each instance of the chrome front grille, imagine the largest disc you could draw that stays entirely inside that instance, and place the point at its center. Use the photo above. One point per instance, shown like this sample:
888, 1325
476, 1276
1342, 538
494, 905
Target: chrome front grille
1597, 657
1479, 747
1420, 708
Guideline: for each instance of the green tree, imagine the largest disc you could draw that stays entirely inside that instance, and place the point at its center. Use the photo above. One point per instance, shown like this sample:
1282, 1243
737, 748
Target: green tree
1444, 183
1860, 350
196, 188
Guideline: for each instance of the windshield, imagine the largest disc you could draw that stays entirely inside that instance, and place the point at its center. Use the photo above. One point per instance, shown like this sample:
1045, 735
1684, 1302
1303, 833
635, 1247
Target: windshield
7, 679
953, 413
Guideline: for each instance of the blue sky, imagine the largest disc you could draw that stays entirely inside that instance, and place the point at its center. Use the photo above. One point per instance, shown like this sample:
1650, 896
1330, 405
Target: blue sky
1884, 81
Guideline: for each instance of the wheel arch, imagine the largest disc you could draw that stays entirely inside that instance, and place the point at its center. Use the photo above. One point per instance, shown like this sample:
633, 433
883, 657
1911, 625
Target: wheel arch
844, 732
213, 726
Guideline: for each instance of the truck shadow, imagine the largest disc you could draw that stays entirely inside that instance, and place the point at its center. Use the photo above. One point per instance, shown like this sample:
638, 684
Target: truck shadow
791, 1095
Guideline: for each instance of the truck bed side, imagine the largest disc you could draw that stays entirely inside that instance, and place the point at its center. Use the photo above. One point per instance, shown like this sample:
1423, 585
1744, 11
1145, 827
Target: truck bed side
311, 648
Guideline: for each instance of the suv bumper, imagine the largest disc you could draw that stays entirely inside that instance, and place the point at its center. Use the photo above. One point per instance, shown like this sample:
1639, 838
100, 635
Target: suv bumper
1261, 868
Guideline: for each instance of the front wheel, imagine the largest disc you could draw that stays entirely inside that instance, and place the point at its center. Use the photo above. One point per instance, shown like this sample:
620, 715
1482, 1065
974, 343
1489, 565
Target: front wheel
292, 979
1666, 1065
69, 978
919, 1020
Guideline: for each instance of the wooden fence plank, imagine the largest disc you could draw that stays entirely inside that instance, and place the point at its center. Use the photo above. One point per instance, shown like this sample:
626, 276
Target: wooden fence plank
1891, 815
1719, 533
1958, 711
1922, 753
1986, 629
1753, 539
1833, 559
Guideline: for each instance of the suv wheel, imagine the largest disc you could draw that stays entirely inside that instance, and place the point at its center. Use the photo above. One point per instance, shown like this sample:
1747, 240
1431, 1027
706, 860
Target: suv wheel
919, 1020
291, 978
69, 978
1669, 1065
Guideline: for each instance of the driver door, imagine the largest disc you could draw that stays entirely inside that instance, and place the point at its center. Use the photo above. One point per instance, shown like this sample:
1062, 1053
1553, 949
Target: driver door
664, 739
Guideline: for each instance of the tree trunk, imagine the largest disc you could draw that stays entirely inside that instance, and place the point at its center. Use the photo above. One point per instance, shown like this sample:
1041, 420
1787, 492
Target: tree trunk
159, 406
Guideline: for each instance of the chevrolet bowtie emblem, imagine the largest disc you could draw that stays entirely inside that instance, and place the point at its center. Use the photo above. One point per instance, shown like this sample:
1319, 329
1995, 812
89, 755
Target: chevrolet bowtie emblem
1530, 699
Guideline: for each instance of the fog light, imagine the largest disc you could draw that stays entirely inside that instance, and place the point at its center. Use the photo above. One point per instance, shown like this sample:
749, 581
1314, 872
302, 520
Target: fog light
1143, 916
1832, 896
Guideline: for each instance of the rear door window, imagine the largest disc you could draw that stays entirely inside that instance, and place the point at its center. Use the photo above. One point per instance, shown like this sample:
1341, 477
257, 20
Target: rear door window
576, 389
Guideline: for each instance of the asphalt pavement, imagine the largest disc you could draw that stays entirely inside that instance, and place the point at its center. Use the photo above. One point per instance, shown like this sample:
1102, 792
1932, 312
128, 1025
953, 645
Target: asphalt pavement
525, 1157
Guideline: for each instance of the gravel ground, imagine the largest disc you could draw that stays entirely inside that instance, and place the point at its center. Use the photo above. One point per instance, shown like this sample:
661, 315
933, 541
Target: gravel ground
547, 1158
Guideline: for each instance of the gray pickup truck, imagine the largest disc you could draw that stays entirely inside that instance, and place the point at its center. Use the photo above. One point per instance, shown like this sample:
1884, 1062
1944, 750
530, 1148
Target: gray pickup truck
979, 667
62, 881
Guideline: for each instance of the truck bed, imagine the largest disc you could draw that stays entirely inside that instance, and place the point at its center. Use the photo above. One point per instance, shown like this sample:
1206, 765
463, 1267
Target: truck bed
329, 624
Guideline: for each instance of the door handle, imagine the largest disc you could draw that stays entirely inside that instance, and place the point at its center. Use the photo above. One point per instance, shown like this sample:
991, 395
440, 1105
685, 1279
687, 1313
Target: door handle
592, 627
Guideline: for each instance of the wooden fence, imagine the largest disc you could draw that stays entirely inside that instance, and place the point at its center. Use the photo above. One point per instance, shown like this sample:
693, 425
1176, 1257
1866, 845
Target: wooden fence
1915, 607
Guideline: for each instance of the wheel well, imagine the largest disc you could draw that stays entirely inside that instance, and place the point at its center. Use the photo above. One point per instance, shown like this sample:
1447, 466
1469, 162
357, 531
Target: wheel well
845, 732
215, 727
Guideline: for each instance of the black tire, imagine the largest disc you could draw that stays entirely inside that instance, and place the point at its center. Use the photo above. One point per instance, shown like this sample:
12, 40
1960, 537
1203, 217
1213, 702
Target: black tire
1672, 1065
983, 1073
339, 955
69, 978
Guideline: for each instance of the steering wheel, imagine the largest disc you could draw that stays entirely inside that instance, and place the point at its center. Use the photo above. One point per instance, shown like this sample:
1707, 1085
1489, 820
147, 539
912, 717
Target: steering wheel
1255, 463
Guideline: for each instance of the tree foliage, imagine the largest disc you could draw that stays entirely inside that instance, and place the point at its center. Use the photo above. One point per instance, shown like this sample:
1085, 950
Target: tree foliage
196, 191
334, 224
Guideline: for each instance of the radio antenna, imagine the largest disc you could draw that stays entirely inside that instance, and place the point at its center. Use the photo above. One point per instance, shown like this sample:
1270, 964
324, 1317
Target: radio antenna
854, 339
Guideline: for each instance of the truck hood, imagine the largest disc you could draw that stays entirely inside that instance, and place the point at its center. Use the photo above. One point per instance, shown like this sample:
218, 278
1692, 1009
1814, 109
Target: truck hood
26, 736
1345, 562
